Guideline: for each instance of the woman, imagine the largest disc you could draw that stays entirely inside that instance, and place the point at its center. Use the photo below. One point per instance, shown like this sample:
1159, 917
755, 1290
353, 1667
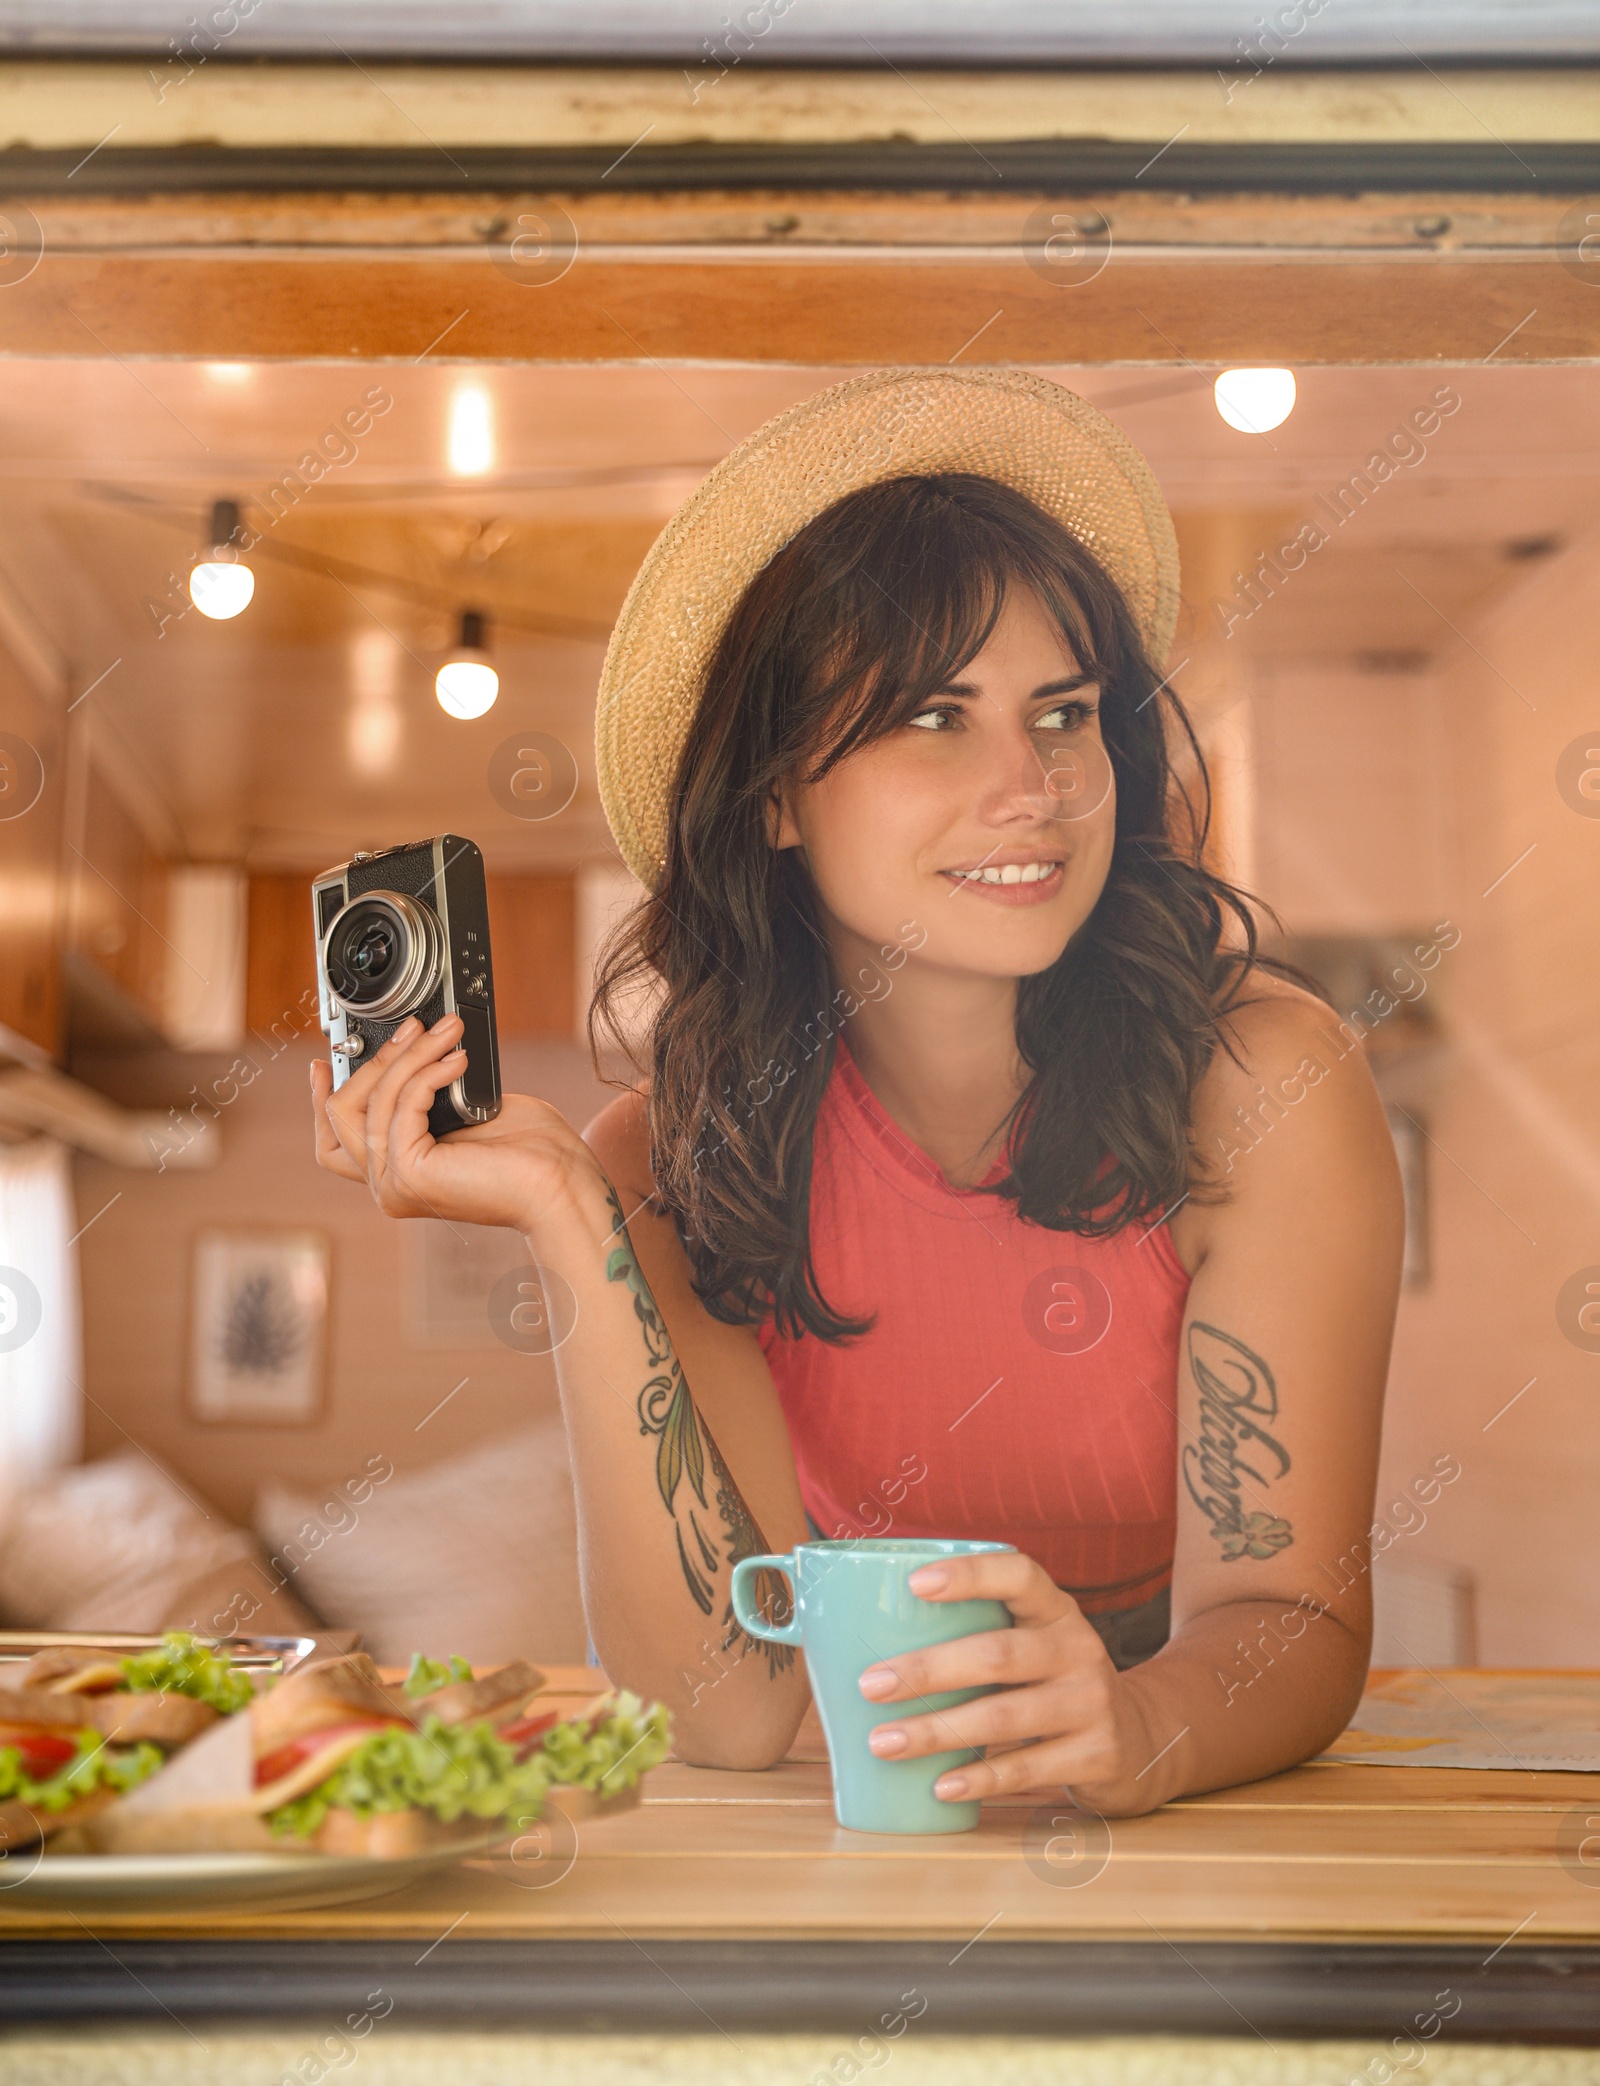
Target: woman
985, 1182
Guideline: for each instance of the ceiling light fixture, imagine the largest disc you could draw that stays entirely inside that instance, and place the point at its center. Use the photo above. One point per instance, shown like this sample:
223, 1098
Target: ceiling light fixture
374, 729
1254, 400
467, 683
221, 583
471, 432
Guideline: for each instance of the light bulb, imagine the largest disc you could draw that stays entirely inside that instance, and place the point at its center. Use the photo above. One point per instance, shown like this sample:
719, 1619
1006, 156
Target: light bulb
466, 687
221, 590
375, 723
1254, 400
373, 735
375, 666
467, 683
471, 432
221, 583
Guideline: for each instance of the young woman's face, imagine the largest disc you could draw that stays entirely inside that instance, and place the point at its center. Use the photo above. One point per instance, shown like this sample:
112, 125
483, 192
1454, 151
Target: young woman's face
982, 829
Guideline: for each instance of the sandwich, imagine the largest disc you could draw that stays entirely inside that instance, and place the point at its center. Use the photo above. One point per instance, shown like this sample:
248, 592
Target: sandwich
56, 1767
337, 1761
451, 1755
167, 1695
80, 1728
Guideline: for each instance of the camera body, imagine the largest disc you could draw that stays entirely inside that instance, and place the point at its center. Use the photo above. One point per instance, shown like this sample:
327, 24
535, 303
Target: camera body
406, 931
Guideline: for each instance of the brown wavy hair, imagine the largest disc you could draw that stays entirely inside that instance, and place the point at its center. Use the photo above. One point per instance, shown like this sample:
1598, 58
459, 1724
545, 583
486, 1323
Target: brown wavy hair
868, 611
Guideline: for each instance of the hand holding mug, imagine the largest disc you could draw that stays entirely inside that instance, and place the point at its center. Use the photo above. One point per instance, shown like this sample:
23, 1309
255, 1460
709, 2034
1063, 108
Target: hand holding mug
1055, 1709
854, 1610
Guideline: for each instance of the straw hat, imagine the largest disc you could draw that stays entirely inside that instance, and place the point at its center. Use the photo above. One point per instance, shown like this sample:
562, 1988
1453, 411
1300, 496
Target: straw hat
1029, 433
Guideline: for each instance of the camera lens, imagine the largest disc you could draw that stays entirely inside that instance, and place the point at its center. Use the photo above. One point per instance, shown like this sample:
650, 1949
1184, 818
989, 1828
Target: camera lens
371, 952
382, 954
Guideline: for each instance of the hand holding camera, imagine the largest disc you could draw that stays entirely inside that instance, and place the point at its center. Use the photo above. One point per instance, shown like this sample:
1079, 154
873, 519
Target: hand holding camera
411, 1104
512, 1171
404, 934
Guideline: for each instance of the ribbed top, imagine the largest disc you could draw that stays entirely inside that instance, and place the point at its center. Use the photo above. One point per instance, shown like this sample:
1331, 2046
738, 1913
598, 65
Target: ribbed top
1029, 1375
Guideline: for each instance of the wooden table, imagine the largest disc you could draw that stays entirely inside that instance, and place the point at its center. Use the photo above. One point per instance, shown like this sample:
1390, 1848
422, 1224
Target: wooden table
1334, 1899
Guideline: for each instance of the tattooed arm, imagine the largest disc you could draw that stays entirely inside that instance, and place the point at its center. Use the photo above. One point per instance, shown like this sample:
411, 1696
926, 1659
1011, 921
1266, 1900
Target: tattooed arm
1279, 1401
680, 1456
1236, 1396
1276, 1412
686, 1456
682, 1464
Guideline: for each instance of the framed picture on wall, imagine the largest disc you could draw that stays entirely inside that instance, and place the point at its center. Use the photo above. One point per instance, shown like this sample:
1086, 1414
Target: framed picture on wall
258, 1327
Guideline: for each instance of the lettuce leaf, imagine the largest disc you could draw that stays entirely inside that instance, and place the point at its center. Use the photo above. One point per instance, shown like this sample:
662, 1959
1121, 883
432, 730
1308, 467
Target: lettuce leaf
428, 1675
185, 1666
465, 1771
94, 1766
610, 1750
452, 1770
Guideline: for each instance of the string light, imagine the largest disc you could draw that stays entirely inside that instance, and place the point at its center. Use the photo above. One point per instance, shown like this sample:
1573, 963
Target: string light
471, 432
221, 584
467, 683
375, 725
1255, 400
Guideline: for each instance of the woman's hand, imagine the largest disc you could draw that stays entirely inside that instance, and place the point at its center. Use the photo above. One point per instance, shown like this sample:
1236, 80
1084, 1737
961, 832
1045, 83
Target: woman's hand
512, 1171
1062, 1713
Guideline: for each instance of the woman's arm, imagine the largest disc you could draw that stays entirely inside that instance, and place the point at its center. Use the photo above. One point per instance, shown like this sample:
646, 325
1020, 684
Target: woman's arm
737, 1700
665, 1506
1280, 1386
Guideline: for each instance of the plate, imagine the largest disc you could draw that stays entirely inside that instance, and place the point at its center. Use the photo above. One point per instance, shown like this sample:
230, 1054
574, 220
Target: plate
284, 1882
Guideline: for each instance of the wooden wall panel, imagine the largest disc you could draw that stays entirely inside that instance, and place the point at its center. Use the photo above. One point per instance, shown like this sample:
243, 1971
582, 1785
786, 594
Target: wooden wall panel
280, 966
533, 933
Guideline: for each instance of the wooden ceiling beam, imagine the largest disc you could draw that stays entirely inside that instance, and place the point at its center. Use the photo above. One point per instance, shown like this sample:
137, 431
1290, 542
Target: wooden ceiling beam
836, 308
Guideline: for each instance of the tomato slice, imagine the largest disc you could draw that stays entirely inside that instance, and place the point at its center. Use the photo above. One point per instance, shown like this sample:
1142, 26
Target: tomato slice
523, 1730
274, 1766
41, 1752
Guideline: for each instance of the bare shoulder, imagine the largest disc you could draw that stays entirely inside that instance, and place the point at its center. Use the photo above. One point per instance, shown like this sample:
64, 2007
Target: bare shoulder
1274, 1028
619, 1137
1291, 1086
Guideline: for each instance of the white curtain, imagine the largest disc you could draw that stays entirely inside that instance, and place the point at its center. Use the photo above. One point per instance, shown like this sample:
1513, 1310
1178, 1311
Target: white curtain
41, 1406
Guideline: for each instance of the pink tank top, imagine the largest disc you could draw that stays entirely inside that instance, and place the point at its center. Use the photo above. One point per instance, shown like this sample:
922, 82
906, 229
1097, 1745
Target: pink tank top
1018, 1385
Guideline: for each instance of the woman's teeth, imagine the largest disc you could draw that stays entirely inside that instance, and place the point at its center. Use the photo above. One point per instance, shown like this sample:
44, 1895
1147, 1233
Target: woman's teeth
1013, 873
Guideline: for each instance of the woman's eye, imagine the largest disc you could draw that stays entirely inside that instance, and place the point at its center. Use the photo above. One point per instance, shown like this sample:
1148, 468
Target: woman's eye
1065, 717
935, 720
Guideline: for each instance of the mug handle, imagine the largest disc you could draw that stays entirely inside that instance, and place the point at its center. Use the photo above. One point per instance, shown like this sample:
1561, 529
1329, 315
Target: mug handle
750, 1619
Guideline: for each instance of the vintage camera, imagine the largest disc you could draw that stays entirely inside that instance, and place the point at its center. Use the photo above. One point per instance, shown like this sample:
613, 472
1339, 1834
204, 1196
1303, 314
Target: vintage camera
406, 931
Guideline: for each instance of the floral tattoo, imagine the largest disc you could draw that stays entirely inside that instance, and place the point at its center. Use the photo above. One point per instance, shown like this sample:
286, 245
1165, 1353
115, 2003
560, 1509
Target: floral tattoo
686, 1455
1238, 1398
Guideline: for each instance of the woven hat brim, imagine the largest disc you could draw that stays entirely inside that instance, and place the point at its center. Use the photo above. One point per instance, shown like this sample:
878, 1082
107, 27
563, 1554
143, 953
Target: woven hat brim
1026, 431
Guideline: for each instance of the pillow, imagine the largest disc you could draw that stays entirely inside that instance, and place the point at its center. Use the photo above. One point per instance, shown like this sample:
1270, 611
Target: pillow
119, 1545
478, 1555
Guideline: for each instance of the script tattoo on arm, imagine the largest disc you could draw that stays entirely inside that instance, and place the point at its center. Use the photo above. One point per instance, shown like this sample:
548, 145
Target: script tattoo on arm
1238, 1401
691, 1476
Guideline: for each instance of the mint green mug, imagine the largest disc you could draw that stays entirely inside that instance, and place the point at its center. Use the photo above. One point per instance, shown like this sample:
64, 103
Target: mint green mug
853, 1609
